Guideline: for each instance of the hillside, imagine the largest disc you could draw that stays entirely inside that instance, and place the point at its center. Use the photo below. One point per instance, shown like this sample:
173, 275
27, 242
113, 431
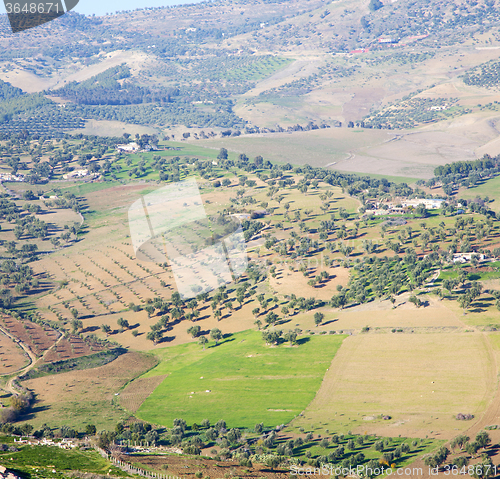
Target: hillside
352, 319
252, 66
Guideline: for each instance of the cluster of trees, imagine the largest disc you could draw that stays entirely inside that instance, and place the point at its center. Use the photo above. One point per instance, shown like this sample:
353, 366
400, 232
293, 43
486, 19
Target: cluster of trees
464, 173
484, 75
277, 336
378, 277
19, 404
176, 112
31, 226
464, 168
139, 433
20, 111
409, 113
108, 88
16, 279
462, 443
466, 299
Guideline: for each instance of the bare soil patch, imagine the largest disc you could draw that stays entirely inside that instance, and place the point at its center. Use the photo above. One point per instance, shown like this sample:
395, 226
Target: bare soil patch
482, 269
137, 392
185, 466
36, 337
72, 347
12, 357
287, 282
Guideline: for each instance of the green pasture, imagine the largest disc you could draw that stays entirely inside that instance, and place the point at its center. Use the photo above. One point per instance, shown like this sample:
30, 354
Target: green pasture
452, 273
396, 179
248, 381
41, 461
417, 447
257, 70
489, 188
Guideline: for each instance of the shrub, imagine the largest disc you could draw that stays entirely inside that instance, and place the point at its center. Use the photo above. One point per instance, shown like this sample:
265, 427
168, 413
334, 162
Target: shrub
464, 417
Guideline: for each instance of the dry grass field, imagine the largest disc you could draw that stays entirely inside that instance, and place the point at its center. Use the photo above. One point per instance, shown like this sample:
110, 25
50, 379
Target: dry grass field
114, 128
382, 318
316, 148
394, 153
66, 395
287, 282
420, 380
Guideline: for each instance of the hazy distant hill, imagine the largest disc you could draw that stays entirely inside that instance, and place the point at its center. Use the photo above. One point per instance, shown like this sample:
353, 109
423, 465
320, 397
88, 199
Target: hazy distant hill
255, 64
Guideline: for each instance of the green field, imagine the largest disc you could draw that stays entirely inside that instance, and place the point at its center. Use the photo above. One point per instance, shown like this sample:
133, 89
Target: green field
490, 188
52, 462
395, 179
248, 381
451, 273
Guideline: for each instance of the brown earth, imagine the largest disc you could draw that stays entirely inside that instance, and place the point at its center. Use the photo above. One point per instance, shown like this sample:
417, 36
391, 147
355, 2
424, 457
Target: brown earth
482, 269
36, 337
12, 357
138, 391
188, 466
287, 282
72, 347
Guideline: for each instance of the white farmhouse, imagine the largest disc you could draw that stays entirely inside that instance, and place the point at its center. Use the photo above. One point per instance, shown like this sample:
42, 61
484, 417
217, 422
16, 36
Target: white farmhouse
76, 174
466, 257
129, 147
429, 203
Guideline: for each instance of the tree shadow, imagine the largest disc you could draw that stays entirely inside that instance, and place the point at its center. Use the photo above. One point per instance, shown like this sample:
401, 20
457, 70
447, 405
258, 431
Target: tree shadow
90, 329
32, 413
477, 308
166, 339
222, 342
303, 340
329, 322
283, 321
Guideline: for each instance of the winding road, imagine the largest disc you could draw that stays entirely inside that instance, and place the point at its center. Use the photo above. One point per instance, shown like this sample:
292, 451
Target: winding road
33, 361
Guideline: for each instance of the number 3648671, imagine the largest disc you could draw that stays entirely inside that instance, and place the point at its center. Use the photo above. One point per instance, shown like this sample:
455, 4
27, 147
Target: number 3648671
32, 7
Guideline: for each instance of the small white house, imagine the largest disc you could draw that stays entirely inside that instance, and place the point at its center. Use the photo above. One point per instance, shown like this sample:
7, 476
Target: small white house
128, 147
466, 257
429, 203
76, 174
10, 177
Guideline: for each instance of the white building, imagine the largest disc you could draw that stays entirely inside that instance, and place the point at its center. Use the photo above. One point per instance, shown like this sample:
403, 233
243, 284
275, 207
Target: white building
76, 174
429, 203
10, 177
466, 257
129, 147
